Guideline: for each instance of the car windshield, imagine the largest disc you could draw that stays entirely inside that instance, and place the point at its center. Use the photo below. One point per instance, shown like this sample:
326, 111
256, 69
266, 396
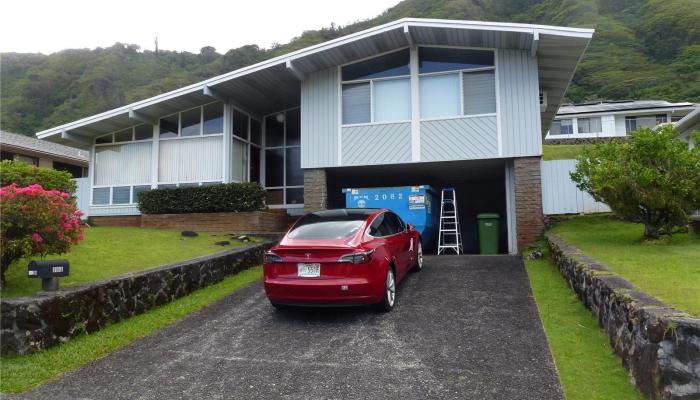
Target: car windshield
313, 226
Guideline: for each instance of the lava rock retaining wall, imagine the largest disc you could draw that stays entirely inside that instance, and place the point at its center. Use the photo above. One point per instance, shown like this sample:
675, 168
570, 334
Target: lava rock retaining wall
33, 323
659, 345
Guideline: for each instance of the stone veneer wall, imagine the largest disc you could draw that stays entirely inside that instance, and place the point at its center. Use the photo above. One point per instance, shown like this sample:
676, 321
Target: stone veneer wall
315, 190
269, 221
529, 217
659, 345
33, 323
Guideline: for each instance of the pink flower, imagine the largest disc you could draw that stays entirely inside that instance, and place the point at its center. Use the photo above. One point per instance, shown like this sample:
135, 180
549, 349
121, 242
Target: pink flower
37, 238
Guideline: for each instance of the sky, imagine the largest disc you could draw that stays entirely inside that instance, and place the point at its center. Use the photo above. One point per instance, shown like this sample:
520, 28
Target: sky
47, 26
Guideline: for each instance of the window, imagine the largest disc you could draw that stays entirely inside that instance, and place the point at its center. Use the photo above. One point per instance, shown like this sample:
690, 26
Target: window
284, 178
143, 132
6, 155
245, 158
377, 90
239, 161
633, 123
240, 124
137, 190
589, 125
384, 224
104, 139
255, 132
127, 135
205, 120
121, 194
561, 127
100, 196
315, 226
76, 171
456, 82
676, 118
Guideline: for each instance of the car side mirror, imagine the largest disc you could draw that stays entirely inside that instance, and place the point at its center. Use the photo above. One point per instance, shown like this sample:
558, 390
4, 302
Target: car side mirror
410, 227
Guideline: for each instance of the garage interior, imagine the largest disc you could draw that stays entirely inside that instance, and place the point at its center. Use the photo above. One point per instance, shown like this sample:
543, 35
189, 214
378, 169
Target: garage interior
480, 187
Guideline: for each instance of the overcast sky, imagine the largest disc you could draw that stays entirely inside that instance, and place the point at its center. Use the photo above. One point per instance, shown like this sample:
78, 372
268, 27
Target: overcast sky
47, 26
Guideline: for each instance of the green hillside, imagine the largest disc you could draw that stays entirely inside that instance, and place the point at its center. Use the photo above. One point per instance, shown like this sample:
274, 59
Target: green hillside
642, 49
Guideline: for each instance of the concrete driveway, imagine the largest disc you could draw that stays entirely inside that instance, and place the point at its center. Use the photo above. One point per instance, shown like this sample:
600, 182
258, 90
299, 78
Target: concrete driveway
466, 327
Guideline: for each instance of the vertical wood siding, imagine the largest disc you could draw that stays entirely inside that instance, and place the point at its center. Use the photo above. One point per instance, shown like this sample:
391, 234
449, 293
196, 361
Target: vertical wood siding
458, 139
377, 144
560, 195
319, 119
187, 160
519, 103
123, 164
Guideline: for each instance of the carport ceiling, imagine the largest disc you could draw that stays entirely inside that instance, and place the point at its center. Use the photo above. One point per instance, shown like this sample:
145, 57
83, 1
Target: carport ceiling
438, 173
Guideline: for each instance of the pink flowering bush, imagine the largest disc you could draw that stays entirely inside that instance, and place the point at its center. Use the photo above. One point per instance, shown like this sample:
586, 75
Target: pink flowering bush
36, 221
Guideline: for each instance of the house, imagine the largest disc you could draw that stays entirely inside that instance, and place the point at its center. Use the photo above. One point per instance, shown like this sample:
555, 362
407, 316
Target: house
44, 154
414, 101
580, 123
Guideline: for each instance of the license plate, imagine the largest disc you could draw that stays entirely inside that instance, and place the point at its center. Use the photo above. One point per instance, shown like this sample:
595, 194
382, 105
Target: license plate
308, 270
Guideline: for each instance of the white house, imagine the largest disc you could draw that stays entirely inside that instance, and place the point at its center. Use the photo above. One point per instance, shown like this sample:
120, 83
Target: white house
609, 119
414, 101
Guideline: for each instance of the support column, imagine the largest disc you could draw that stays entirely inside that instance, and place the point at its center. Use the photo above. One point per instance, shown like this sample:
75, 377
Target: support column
315, 190
528, 200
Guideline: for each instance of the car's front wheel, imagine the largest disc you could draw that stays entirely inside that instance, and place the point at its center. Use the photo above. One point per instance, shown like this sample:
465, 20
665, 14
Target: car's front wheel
418, 266
387, 303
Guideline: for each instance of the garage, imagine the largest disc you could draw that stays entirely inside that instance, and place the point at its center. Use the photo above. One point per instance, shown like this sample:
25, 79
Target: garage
480, 186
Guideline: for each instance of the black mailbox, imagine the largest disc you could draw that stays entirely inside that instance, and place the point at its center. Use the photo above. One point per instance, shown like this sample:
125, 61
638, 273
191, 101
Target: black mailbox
49, 271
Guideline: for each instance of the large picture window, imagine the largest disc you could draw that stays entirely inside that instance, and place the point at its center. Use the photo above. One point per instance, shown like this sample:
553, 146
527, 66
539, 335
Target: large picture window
245, 157
284, 178
377, 90
456, 82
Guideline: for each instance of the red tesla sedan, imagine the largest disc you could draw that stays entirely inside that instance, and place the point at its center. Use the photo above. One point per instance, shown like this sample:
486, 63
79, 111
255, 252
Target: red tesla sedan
342, 257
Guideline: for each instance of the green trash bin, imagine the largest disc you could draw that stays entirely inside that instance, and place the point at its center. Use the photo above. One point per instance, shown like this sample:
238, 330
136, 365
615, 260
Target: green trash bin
488, 233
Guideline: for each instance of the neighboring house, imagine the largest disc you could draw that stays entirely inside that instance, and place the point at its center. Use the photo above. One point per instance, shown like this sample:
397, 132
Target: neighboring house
415, 101
44, 154
581, 122
689, 124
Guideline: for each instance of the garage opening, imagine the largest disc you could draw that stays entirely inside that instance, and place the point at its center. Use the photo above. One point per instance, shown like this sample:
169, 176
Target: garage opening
480, 187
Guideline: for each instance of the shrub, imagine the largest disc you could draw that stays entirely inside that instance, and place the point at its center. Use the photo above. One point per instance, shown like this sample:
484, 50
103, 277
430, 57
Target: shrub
23, 174
36, 222
202, 199
654, 178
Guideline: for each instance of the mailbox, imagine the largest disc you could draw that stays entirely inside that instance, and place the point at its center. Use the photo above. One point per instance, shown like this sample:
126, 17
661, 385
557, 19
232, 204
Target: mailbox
49, 271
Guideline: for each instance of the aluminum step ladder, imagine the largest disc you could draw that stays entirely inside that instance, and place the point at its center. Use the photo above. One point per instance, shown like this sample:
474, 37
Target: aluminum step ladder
449, 236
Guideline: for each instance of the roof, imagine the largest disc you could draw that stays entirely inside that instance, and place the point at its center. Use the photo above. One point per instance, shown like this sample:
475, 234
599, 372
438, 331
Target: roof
620, 105
689, 123
33, 145
274, 84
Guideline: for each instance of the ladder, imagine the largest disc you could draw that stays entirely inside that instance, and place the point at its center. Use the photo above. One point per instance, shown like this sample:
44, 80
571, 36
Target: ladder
449, 236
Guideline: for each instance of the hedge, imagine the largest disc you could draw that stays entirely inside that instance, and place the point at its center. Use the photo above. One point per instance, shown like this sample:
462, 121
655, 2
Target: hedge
24, 175
230, 197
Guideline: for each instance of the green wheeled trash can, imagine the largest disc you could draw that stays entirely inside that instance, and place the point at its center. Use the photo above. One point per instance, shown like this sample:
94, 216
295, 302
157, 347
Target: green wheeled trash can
488, 233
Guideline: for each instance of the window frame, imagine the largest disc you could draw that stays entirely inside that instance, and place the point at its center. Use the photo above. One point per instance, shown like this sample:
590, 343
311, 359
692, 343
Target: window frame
284, 147
369, 226
371, 88
247, 141
201, 123
578, 125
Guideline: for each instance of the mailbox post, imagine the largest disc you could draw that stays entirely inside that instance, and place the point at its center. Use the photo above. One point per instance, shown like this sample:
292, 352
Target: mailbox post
49, 271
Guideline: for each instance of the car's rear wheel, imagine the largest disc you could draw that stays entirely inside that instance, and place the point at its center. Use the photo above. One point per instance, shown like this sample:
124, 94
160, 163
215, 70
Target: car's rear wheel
418, 266
387, 303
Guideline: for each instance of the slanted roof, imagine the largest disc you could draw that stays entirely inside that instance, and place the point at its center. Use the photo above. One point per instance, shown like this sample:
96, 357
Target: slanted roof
43, 147
620, 105
274, 84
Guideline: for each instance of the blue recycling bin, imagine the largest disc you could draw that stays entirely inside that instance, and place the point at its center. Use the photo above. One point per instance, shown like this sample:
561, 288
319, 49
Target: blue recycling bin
416, 205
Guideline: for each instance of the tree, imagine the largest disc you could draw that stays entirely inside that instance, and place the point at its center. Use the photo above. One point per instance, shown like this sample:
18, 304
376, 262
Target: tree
653, 178
35, 222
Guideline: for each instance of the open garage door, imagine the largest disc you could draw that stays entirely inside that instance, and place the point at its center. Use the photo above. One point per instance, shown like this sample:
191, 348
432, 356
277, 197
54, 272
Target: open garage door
480, 186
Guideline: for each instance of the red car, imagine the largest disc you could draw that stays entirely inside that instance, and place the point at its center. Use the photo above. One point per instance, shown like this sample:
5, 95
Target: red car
342, 257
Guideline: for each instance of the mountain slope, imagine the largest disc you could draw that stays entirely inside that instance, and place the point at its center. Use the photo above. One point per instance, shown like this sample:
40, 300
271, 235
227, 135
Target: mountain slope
641, 49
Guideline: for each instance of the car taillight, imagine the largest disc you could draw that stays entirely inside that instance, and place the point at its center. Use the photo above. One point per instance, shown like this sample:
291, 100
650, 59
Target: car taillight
271, 258
357, 258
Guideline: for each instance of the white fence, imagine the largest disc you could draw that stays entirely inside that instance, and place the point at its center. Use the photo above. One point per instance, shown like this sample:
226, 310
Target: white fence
560, 195
82, 193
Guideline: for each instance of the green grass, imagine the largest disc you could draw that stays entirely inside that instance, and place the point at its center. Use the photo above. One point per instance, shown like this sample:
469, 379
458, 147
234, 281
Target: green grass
110, 251
588, 369
561, 151
667, 268
20, 373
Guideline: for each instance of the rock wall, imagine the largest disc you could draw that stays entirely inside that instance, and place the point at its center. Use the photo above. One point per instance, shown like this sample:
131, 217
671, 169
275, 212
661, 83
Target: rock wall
33, 323
529, 217
659, 345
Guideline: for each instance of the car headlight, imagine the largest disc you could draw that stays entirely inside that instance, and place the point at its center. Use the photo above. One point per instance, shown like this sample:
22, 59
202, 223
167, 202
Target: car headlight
362, 257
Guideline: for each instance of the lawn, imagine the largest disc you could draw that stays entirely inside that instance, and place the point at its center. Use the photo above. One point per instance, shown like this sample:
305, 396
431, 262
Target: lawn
588, 370
561, 151
21, 373
110, 251
668, 268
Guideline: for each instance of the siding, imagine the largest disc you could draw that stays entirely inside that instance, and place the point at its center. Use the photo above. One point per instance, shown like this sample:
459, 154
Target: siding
560, 195
518, 92
458, 139
377, 144
187, 160
115, 210
319, 119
